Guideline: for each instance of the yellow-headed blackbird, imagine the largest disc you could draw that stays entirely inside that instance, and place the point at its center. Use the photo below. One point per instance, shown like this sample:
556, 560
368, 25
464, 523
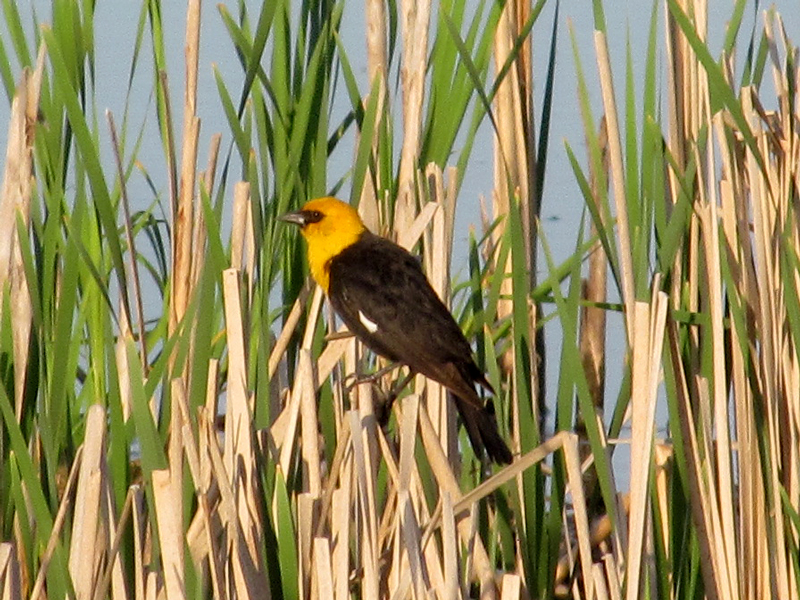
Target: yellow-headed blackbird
384, 298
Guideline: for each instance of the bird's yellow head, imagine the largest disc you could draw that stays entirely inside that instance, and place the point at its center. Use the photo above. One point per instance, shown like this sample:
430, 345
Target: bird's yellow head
329, 226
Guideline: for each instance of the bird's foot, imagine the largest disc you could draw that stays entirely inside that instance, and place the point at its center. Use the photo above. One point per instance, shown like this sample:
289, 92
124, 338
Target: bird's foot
354, 379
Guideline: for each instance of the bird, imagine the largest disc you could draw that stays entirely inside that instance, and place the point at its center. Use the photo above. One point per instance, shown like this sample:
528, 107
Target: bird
382, 295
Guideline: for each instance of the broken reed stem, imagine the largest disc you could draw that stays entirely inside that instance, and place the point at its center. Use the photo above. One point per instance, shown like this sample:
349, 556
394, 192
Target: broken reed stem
377, 67
415, 18
183, 217
207, 178
84, 552
15, 207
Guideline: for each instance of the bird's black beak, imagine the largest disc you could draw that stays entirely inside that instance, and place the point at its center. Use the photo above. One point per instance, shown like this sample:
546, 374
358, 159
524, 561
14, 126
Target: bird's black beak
298, 218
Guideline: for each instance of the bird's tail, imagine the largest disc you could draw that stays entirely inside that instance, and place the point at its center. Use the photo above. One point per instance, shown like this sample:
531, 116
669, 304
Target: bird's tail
481, 426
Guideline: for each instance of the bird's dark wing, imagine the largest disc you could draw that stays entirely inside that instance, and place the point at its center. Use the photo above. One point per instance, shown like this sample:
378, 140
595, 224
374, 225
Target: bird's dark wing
382, 295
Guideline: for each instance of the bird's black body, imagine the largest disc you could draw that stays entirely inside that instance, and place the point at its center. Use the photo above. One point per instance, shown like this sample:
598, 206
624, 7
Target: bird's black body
382, 295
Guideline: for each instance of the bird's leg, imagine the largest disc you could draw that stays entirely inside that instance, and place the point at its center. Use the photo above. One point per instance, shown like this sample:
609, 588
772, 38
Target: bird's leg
355, 379
384, 408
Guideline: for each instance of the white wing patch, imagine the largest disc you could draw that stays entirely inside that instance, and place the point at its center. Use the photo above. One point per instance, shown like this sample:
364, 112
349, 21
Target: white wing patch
371, 326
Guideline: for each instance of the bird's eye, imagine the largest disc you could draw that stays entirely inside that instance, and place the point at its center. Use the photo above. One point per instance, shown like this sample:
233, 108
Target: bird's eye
314, 216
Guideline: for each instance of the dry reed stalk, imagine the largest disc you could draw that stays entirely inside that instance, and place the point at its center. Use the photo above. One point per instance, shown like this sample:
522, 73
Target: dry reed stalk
309, 426
183, 221
686, 98
302, 394
340, 537
206, 187
751, 492
168, 501
216, 565
769, 223
10, 579
611, 575
183, 216
141, 550
617, 168
111, 578
408, 441
241, 569
447, 482
593, 319
515, 179
322, 568
515, 148
409, 236
169, 518
709, 225
15, 206
206, 426
239, 455
340, 352
124, 337
415, 18
602, 528
201, 534
411, 497
515, 164
390, 539
751, 485
238, 441
511, 587
580, 513
153, 589
364, 463
308, 403
746, 222
377, 67
175, 454
284, 428
592, 330
86, 546
184, 432
375, 16
438, 244
241, 202
450, 548
649, 319
663, 456
305, 515
593, 325
410, 533
601, 588
282, 343
200, 233
114, 575
698, 500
